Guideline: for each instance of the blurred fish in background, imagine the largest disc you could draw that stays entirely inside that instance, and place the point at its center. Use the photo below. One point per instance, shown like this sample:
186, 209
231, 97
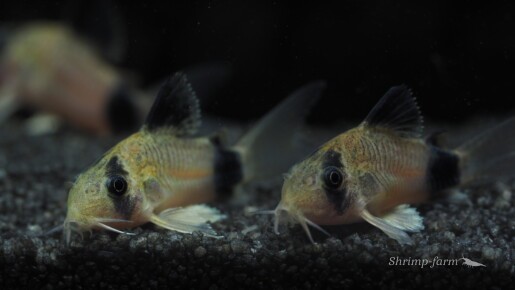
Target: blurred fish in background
48, 67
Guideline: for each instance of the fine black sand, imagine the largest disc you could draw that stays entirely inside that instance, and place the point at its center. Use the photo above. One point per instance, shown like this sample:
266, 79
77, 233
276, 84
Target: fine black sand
33, 172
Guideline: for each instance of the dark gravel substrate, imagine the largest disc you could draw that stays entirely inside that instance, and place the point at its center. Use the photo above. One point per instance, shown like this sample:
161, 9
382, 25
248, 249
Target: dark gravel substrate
33, 171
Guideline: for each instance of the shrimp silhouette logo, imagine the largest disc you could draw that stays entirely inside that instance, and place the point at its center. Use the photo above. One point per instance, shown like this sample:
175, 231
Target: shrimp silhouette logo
469, 263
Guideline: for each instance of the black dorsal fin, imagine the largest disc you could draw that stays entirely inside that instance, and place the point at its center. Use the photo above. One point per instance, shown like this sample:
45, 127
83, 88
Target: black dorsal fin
176, 108
397, 110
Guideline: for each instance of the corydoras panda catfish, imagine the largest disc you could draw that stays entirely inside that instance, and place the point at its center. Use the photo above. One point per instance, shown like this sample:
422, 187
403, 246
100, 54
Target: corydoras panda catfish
162, 172
373, 171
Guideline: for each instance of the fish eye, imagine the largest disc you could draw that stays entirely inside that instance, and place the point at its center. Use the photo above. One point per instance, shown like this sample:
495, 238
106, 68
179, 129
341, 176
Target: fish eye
333, 177
116, 185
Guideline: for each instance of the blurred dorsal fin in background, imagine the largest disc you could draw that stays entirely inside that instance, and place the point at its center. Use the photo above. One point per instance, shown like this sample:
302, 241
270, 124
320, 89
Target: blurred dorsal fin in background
100, 22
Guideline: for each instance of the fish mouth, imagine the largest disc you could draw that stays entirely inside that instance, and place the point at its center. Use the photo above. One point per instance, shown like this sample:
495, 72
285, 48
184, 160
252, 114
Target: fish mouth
285, 214
75, 226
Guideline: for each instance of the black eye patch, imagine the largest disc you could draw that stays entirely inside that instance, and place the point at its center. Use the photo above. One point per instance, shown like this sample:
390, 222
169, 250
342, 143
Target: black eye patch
117, 187
332, 158
333, 178
115, 167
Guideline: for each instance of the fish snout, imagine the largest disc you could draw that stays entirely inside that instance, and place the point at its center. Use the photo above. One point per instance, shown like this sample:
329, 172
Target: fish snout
75, 219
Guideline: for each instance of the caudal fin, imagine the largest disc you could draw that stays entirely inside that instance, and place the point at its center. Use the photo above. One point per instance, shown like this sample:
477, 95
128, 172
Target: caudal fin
267, 150
490, 155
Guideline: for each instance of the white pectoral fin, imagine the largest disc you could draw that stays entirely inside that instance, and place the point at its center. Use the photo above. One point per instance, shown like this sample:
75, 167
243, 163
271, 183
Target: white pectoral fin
406, 218
189, 219
396, 223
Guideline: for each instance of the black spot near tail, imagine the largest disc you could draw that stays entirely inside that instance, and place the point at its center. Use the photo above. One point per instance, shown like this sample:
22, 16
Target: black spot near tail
443, 170
228, 170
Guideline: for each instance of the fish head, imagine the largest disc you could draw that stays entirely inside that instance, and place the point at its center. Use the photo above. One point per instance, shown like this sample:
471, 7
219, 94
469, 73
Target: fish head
104, 197
315, 191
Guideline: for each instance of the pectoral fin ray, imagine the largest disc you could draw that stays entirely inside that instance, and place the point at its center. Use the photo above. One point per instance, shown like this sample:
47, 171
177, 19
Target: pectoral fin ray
396, 223
188, 219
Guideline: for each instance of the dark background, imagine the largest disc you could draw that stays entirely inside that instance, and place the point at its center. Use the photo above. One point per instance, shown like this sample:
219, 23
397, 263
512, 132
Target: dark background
458, 56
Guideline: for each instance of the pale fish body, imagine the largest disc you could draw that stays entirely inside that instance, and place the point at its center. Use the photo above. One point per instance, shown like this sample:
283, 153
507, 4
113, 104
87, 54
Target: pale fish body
40, 67
168, 171
375, 170
163, 173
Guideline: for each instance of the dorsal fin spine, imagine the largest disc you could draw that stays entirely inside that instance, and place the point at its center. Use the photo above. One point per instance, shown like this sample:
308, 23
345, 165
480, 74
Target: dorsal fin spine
176, 108
397, 110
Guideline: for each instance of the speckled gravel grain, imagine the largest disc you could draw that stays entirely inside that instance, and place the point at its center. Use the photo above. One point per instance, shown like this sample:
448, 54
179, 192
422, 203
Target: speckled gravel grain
34, 170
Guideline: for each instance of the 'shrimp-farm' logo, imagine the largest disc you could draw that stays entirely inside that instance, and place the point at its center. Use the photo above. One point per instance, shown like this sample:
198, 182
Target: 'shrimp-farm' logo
436, 261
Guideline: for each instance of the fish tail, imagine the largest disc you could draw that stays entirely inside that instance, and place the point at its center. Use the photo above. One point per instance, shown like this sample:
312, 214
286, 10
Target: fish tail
490, 155
267, 149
